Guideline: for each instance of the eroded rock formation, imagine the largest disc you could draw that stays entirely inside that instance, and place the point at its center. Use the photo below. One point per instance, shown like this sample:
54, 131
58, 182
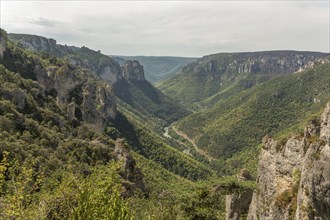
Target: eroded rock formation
294, 175
89, 100
132, 70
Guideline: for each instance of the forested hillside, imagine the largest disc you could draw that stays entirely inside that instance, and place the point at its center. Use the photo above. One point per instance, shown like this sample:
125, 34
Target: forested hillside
71, 150
82, 136
214, 77
275, 107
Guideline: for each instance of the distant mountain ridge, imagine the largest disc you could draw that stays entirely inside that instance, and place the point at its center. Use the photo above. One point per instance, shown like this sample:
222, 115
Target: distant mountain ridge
158, 68
216, 73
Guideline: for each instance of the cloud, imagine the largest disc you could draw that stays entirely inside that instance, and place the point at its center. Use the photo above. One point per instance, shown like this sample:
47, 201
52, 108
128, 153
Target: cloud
186, 28
43, 22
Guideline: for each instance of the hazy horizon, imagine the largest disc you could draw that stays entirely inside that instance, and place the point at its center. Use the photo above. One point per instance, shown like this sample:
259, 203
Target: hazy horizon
174, 28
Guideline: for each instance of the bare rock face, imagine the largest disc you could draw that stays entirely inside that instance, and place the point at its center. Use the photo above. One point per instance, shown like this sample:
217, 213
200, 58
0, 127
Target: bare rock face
238, 203
132, 175
40, 44
89, 100
294, 176
105, 67
132, 70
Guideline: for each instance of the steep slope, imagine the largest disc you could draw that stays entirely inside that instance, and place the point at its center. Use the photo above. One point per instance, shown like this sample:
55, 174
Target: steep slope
221, 75
140, 95
241, 120
129, 79
85, 99
294, 175
100, 64
60, 134
52, 116
158, 68
88, 98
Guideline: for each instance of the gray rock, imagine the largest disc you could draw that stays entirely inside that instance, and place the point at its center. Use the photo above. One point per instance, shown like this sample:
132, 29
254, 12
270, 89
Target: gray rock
88, 99
132, 70
294, 176
238, 203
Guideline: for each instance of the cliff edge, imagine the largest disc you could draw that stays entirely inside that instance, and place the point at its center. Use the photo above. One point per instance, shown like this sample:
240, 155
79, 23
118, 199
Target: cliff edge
294, 175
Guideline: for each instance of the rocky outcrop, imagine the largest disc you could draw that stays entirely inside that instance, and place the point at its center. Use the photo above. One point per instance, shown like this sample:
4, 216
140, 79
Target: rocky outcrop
132, 70
89, 99
132, 175
238, 203
294, 175
100, 64
39, 43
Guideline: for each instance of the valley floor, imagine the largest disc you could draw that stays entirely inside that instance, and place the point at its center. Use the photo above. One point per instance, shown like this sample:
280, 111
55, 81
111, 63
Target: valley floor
185, 136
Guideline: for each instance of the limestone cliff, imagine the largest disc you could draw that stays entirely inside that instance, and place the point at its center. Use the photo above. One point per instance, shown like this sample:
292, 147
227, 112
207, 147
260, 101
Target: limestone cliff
132, 70
89, 99
294, 175
267, 62
86, 97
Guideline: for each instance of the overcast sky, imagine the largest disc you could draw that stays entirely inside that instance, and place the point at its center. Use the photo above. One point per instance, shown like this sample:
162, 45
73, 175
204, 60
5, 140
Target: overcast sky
177, 28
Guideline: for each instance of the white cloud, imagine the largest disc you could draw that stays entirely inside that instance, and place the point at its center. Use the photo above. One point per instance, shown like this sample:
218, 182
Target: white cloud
187, 28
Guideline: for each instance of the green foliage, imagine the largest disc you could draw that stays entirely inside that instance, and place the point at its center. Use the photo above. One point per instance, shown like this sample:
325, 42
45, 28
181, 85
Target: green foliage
59, 168
151, 146
99, 197
241, 120
29, 194
142, 96
218, 76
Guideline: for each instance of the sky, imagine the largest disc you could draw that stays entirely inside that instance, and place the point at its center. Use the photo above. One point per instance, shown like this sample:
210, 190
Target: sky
174, 28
